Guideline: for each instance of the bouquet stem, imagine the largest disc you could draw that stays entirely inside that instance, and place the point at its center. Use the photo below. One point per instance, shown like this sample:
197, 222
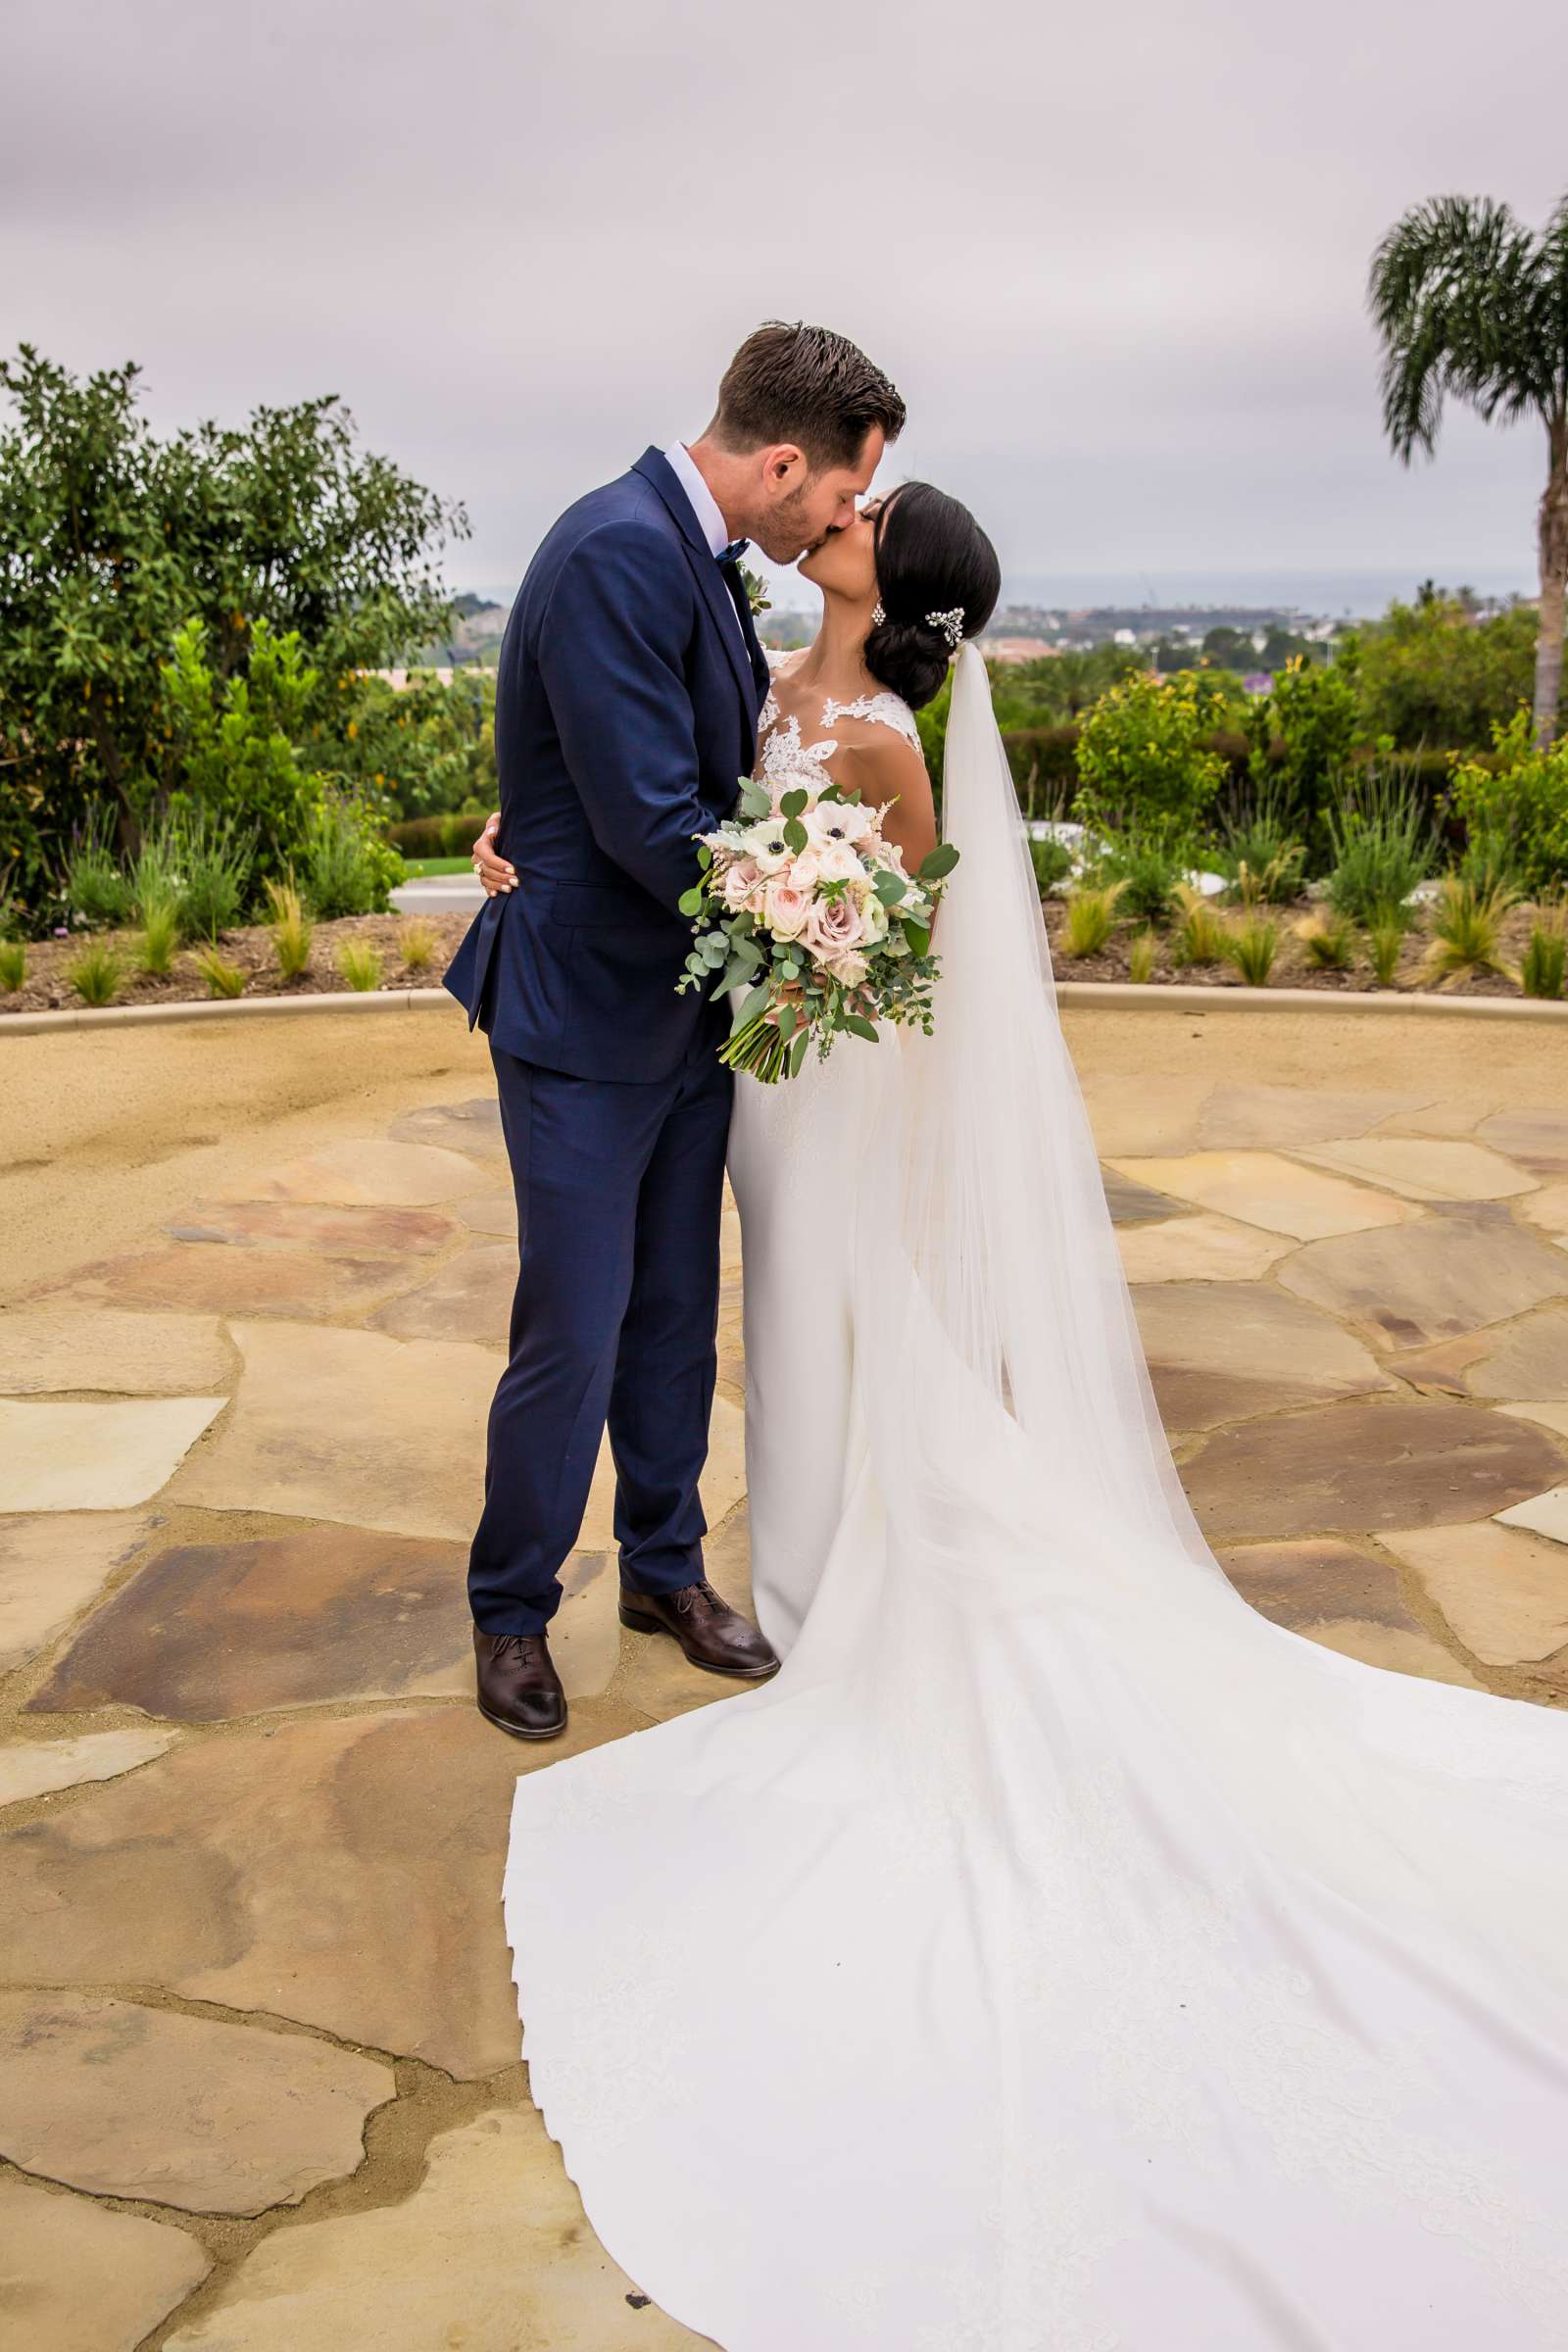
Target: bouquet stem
758, 1048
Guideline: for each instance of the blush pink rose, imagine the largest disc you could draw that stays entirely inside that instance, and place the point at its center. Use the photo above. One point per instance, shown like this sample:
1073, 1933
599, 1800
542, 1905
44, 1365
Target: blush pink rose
740, 882
786, 910
833, 928
804, 873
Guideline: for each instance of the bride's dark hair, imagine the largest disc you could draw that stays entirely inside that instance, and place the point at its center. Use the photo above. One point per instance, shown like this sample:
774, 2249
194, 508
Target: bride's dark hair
931, 556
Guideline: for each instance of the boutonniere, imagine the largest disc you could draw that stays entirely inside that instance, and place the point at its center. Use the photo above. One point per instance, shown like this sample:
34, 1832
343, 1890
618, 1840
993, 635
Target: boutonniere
757, 595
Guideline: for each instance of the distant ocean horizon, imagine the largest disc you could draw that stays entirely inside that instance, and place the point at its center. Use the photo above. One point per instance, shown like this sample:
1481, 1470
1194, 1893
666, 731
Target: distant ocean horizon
1325, 595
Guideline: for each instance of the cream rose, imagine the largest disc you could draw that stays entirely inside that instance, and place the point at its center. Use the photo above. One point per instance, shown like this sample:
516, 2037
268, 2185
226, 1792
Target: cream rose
806, 871
839, 862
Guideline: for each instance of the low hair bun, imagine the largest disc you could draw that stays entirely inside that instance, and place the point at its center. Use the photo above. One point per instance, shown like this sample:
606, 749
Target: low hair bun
910, 659
932, 557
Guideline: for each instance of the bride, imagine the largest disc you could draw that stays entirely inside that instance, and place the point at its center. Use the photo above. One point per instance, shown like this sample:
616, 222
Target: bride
1055, 1956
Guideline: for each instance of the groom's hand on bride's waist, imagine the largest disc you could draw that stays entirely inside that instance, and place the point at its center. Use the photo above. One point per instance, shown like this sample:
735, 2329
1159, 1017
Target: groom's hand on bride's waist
495, 872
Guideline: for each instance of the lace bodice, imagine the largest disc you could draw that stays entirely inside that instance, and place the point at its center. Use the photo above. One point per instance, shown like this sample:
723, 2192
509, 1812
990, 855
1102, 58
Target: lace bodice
782, 753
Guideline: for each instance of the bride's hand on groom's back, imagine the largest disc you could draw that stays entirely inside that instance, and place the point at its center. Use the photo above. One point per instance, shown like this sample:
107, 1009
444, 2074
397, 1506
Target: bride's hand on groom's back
496, 872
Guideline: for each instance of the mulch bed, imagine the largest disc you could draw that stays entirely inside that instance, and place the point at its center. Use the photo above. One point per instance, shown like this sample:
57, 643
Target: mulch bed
47, 990
1293, 967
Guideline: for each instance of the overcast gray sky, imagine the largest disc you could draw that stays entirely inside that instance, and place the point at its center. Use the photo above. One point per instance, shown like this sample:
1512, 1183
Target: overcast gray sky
1114, 258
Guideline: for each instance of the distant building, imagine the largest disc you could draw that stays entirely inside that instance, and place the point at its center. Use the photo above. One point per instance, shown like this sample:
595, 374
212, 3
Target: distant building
1016, 649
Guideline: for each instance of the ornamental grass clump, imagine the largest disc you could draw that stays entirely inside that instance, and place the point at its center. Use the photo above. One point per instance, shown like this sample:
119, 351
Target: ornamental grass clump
291, 927
1386, 945
95, 973
97, 888
1467, 930
1328, 941
418, 942
160, 937
13, 965
215, 855
1251, 945
1200, 934
1051, 860
1544, 966
1141, 957
360, 963
1091, 919
1259, 855
223, 978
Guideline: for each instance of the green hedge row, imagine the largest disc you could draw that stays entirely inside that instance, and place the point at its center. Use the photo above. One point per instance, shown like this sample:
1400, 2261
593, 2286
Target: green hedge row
436, 836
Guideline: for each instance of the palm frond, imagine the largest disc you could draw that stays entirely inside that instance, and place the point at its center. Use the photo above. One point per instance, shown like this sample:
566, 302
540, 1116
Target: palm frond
1454, 293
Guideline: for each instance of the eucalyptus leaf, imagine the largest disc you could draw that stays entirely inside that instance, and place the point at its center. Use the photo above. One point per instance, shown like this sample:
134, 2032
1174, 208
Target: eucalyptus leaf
691, 901
793, 802
796, 835
890, 887
860, 1026
918, 936
757, 1003
942, 861
797, 1052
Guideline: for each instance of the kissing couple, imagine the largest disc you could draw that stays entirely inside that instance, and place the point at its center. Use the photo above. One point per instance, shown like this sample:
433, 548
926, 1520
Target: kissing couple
1046, 1953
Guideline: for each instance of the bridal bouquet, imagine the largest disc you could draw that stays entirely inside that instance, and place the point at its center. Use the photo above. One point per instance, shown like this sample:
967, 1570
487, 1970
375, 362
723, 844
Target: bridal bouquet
801, 903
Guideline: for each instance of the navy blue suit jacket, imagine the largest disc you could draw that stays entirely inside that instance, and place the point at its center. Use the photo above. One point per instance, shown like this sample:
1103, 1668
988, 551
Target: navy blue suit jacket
626, 708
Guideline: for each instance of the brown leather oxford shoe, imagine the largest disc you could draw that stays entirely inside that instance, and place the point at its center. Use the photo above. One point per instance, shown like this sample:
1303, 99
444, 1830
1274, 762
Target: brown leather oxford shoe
520, 1690
713, 1634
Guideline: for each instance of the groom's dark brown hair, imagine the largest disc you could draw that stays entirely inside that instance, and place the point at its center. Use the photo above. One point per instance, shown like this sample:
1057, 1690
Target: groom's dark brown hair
793, 382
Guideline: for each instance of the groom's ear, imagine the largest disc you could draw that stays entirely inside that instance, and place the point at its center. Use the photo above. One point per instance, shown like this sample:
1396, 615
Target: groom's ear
784, 465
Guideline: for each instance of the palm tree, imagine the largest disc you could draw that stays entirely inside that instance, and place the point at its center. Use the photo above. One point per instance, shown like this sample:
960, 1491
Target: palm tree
1467, 301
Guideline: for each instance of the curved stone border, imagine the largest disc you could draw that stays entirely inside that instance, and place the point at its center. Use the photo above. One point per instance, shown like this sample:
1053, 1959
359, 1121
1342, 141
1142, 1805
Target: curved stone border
1099, 994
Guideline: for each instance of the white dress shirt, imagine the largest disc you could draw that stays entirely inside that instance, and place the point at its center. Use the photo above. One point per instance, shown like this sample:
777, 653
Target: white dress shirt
703, 505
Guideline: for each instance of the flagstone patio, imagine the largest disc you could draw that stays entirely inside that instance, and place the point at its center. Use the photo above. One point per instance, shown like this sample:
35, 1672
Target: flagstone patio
257, 2031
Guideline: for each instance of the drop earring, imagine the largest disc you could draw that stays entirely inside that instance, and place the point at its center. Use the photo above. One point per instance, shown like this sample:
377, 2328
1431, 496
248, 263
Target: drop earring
878, 616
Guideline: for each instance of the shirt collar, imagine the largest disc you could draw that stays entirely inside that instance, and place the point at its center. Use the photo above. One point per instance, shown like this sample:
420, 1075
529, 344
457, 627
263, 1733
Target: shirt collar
703, 505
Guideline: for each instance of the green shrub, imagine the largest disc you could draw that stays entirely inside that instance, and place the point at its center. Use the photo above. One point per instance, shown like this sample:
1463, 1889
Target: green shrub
1051, 860
97, 887
215, 852
1044, 766
1149, 866
234, 745
1514, 806
1142, 759
95, 973
1259, 850
1384, 841
1430, 673
13, 965
347, 868
1544, 963
1314, 712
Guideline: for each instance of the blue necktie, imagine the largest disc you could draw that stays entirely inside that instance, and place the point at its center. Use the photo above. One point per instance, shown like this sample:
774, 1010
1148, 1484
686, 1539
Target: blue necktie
733, 553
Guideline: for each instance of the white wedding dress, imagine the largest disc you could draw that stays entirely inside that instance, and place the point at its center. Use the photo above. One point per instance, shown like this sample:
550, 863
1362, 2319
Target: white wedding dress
1057, 1956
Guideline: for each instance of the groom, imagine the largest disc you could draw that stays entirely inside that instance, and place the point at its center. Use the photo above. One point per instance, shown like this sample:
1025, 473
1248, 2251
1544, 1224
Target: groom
626, 703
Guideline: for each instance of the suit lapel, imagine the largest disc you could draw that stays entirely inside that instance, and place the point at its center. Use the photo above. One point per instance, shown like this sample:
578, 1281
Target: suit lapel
656, 468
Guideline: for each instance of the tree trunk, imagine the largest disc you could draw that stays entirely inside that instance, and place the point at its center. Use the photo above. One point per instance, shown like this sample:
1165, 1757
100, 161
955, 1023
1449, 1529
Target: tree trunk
1553, 583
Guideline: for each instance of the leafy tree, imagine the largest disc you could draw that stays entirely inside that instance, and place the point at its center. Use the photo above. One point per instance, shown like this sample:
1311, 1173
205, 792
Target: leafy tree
1432, 673
1468, 301
112, 540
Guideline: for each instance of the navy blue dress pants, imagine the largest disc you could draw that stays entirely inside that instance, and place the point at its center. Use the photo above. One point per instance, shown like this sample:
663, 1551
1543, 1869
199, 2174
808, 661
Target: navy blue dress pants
619, 1192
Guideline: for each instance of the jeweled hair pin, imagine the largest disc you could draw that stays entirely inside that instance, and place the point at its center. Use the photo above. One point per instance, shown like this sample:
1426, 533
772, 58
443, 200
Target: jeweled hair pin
950, 623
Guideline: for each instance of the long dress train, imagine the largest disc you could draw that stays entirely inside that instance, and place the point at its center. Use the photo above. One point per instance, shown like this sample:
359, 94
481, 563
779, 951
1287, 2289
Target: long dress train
1057, 1956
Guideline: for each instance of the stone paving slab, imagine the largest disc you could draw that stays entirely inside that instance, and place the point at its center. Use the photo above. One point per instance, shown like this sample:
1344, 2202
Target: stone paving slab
96, 1457
76, 2276
127, 2101
62, 1346
51, 1566
1421, 1170
1503, 1590
342, 1872
36, 1767
1452, 1273
1227, 1351
491, 2253
1262, 1188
